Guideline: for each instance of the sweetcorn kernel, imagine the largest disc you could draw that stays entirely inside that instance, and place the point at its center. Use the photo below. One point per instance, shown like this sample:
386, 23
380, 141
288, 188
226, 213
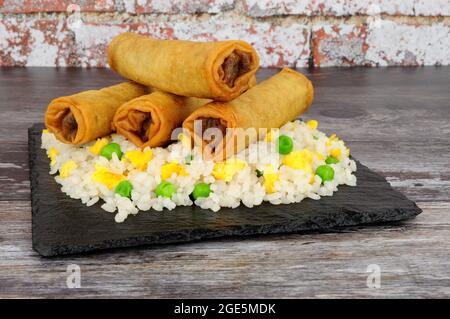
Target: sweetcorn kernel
99, 144
67, 168
312, 124
52, 153
336, 153
139, 159
167, 170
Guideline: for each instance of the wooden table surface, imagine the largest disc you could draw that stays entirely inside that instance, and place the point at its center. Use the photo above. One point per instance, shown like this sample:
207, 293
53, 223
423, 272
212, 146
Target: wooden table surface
395, 120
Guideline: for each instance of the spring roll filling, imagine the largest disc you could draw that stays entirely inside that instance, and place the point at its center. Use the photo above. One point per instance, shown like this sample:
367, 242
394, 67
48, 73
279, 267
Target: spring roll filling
143, 122
235, 65
216, 123
69, 126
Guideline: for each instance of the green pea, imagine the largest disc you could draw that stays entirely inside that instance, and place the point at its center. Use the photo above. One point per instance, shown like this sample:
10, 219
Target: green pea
259, 173
188, 159
285, 144
109, 149
201, 190
124, 189
326, 172
165, 189
331, 160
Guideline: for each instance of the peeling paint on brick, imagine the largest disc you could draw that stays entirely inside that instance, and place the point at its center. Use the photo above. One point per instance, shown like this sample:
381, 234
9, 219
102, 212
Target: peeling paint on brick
91, 42
183, 6
390, 43
284, 32
34, 42
257, 8
277, 44
342, 45
29, 6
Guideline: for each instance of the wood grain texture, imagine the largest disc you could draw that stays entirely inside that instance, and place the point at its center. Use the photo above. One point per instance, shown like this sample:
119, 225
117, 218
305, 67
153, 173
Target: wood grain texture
396, 121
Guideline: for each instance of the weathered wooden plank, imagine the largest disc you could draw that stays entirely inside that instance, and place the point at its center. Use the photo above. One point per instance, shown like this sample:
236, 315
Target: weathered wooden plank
390, 104
396, 120
413, 257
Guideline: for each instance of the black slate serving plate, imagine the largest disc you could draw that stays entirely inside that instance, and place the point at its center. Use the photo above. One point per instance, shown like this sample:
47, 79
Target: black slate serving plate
62, 225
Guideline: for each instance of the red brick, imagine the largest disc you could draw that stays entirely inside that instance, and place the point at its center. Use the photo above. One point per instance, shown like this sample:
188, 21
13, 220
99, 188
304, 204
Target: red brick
380, 42
31, 6
339, 44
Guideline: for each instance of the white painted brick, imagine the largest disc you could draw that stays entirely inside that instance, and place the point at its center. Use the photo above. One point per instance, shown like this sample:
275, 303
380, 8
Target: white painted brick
432, 7
262, 8
391, 43
91, 42
258, 8
182, 6
338, 44
33, 42
277, 44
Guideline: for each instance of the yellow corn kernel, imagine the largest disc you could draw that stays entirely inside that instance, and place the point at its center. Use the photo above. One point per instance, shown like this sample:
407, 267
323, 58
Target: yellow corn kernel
104, 176
139, 159
226, 170
299, 160
44, 131
52, 153
167, 170
312, 124
67, 168
336, 153
270, 177
99, 144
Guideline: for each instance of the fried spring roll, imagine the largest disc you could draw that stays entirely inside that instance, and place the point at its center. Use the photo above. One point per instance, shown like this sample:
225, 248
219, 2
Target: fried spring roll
85, 116
270, 104
217, 70
149, 120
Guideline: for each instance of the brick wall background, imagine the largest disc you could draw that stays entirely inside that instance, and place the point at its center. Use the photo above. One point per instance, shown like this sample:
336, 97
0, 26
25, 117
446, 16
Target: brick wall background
285, 32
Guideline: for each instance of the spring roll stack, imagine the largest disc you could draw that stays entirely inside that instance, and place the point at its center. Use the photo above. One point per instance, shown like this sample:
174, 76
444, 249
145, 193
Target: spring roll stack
180, 83
85, 116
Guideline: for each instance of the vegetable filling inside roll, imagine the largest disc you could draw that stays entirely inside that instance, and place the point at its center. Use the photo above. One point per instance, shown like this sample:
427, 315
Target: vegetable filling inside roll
69, 126
235, 65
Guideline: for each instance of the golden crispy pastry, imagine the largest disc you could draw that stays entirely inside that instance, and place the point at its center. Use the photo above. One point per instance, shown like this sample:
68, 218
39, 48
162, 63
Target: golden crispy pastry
85, 116
150, 119
270, 104
219, 70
